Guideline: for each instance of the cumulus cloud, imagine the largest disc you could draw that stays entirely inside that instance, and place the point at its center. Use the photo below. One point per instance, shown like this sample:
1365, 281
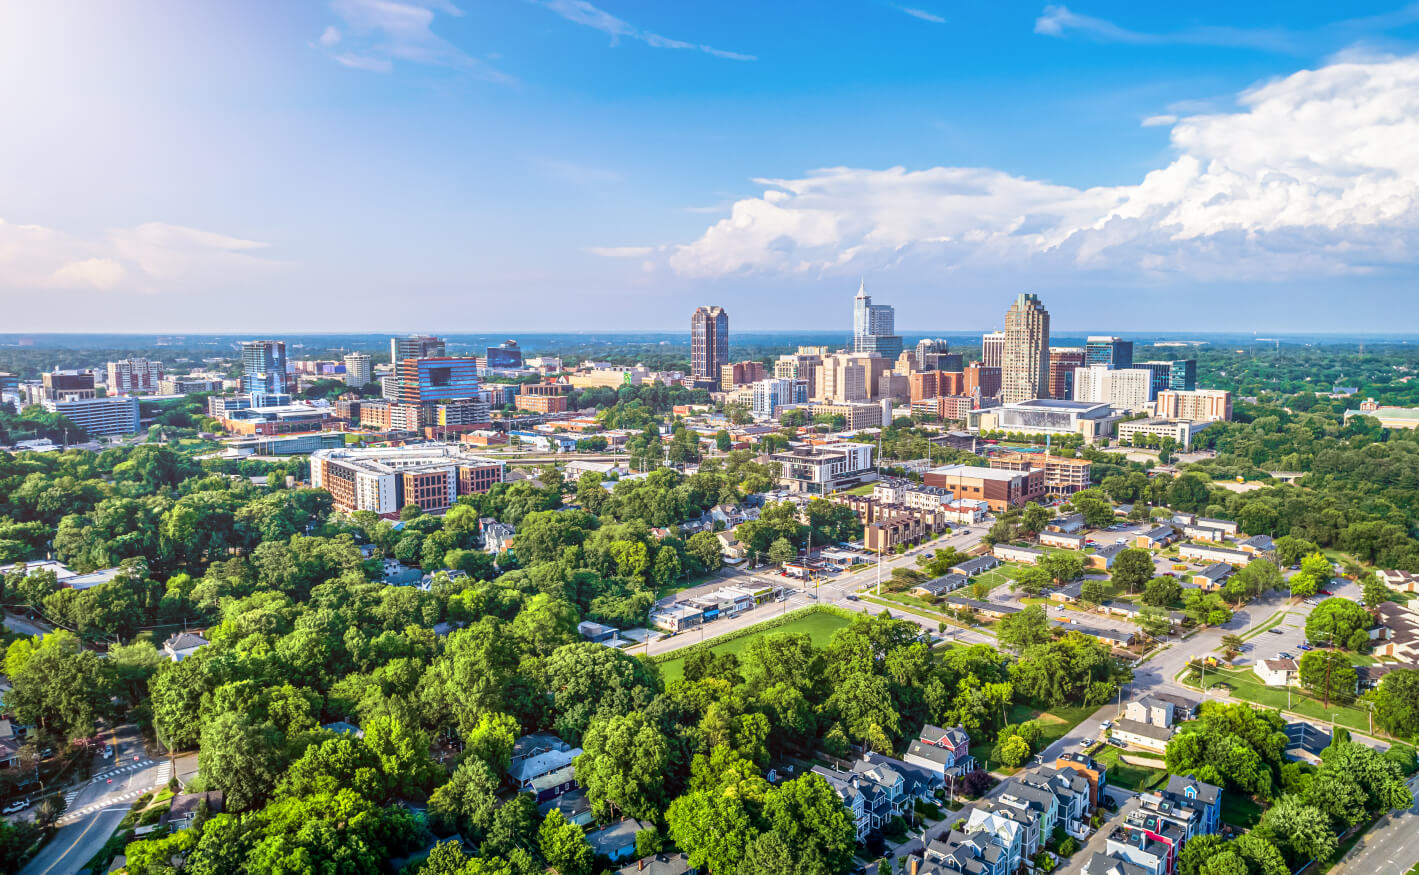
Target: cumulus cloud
379, 33
1316, 173
153, 257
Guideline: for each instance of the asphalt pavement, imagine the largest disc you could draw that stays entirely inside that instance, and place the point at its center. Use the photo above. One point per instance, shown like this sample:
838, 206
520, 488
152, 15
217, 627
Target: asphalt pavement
1391, 847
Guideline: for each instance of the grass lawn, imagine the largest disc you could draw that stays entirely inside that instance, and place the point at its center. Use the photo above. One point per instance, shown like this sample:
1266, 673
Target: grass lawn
864, 489
1245, 685
1055, 722
994, 578
1237, 809
1136, 778
1270, 622
820, 625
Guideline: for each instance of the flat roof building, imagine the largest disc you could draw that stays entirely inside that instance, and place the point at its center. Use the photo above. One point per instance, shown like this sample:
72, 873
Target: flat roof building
999, 489
98, 416
385, 479
1047, 416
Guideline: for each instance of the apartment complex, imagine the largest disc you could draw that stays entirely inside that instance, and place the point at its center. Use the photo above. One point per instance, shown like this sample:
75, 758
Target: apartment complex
1024, 367
98, 416
134, 375
358, 371
709, 344
826, 469
385, 479
1198, 405
772, 396
850, 377
188, 385
1063, 475
1125, 389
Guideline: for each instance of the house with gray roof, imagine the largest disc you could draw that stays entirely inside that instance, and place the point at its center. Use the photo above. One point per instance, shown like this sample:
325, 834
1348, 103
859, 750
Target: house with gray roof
618, 841
978, 565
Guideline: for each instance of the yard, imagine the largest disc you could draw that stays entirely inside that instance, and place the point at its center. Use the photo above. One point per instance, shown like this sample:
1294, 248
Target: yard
1134, 777
819, 625
1238, 809
1245, 685
1055, 722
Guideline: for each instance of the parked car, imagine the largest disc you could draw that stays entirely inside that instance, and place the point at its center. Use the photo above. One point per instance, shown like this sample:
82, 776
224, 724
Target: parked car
1085, 742
107, 752
1274, 630
17, 805
1107, 724
1306, 645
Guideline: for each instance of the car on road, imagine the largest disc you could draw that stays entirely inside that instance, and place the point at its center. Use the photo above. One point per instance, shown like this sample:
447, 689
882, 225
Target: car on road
1107, 724
17, 805
852, 597
1324, 592
1276, 631
1085, 742
107, 752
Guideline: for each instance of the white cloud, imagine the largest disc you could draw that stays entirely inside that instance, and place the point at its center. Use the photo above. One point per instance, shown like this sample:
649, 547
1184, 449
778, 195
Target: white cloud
1317, 173
1060, 21
380, 33
922, 14
1158, 121
98, 273
620, 251
584, 13
153, 257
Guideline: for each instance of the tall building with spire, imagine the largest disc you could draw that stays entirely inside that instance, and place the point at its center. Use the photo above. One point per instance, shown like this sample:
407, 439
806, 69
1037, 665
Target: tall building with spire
709, 344
874, 327
1024, 368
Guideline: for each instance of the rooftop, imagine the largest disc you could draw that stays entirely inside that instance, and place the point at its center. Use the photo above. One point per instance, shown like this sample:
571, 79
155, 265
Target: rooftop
391, 460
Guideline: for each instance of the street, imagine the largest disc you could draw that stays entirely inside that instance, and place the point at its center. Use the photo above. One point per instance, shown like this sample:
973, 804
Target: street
1391, 847
94, 809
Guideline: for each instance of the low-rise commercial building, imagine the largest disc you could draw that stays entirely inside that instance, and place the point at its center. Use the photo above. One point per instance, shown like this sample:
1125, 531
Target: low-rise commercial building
1198, 405
999, 489
1047, 416
1182, 431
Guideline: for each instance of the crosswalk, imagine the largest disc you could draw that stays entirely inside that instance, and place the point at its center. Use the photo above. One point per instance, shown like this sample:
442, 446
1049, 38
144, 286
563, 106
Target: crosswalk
160, 777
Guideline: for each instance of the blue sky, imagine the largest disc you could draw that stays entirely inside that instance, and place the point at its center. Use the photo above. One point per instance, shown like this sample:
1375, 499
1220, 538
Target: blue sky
554, 164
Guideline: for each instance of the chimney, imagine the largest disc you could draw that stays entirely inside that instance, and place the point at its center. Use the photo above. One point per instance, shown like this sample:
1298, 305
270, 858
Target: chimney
640, 864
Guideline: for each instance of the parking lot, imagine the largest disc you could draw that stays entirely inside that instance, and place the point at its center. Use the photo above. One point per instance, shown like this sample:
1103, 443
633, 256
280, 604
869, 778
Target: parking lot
1292, 635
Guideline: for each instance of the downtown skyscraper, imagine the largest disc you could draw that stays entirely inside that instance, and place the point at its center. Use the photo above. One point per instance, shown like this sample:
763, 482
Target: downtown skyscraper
874, 327
1024, 369
709, 345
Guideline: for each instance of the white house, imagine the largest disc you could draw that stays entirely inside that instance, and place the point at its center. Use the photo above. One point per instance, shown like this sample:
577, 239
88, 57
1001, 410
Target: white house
182, 645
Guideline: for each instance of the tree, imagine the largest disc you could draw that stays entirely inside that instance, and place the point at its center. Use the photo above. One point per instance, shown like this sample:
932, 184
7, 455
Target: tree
1334, 620
1034, 518
1094, 592
704, 547
1024, 629
781, 551
564, 845
1397, 702
1328, 674
491, 740
1162, 592
57, 685
722, 441
1154, 621
1063, 566
403, 754
1032, 579
1302, 585
240, 758
467, 802
809, 816
1301, 831
1375, 592
623, 767
1132, 568
712, 828
1012, 751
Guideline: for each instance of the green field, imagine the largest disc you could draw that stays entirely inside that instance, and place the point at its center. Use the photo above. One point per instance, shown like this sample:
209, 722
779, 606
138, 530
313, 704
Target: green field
1055, 722
1128, 775
819, 624
1238, 810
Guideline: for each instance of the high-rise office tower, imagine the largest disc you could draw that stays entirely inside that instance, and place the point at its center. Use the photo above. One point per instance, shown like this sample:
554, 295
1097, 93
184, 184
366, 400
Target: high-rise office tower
1062, 362
992, 349
415, 346
1115, 352
1024, 368
709, 344
357, 368
874, 327
1183, 376
935, 355
263, 367
1160, 375
131, 375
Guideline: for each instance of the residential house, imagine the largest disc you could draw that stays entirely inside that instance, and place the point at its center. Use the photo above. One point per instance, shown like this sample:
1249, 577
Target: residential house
1144, 735
185, 807
1095, 773
1151, 710
1185, 791
1183, 708
1156, 537
978, 565
1069, 593
1134, 843
343, 727
1276, 672
1213, 577
181, 645
958, 852
618, 841
1208, 553
1102, 559
1103, 864
9, 752
1257, 545
541, 764
1023, 555
854, 795
1064, 540
1111, 637
1121, 609
573, 805
1369, 676
1006, 829
663, 863
944, 751
1396, 632
1228, 527
731, 548
990, 610
597, 632
939, 586
1404, 581
498, 537
551, 785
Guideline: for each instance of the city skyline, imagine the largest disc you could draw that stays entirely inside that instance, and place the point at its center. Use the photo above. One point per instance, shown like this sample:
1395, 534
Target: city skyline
470, 161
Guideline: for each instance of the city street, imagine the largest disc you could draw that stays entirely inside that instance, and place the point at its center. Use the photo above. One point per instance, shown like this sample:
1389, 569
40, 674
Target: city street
94, 809
1391, 847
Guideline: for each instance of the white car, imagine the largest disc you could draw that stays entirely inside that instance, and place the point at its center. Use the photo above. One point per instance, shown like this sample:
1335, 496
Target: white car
17, 805
107, 752
1107, 724
1085, 742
